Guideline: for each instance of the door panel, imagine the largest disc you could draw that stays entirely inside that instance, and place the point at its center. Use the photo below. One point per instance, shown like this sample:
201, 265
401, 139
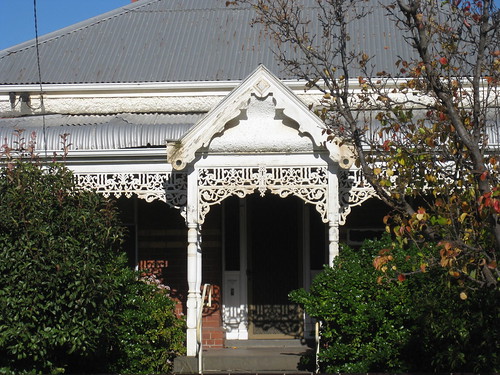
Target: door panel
273, 267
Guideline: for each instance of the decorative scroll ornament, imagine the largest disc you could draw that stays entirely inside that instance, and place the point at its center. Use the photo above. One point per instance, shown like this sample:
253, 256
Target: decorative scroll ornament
308, 183
170, 188
353, 191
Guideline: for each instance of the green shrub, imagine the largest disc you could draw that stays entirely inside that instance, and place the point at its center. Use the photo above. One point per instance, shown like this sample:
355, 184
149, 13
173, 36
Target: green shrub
148, 335
68, 303
420, 324
451, 334
58, 260
363, 323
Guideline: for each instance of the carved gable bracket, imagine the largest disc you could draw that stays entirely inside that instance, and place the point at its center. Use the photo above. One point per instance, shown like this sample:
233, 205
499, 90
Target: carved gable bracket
170, 188
308, 183
353, 191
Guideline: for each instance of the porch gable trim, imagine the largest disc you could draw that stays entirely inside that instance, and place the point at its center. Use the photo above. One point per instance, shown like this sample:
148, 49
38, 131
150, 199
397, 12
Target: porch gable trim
260, 83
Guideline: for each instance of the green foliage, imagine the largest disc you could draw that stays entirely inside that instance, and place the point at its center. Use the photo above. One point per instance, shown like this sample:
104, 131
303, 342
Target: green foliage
363, 323
58, 260
148, 335
418, 324
68, 303
451, 330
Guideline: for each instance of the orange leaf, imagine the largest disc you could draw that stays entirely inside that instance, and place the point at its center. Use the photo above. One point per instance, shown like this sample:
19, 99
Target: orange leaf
446, 245
454, 273
443, 61
379, 261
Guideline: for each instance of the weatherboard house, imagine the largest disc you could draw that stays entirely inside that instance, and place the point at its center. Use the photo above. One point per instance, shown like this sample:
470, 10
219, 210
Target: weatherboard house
223, 176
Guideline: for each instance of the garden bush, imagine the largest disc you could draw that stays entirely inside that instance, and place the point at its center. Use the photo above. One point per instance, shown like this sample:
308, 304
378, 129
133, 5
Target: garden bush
420, 323
58, 260
452, 331
68, 303
363, 323
147, 334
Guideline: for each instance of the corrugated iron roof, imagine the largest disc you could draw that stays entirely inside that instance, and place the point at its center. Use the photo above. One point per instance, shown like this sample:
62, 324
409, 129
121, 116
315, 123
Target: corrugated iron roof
108, 132
131, 130
172, 41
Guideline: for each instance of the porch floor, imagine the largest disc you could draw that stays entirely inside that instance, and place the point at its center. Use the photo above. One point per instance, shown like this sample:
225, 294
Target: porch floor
249, 356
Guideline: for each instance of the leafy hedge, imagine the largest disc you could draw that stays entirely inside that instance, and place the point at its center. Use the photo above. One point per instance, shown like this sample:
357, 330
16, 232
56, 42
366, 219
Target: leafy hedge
419, 324
148, 335
68, 303
362, 322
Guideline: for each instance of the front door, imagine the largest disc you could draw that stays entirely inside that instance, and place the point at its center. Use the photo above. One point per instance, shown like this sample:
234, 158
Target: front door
273, 266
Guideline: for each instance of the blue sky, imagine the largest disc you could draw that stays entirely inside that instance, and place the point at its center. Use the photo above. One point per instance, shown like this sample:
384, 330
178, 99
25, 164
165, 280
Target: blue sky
17, 20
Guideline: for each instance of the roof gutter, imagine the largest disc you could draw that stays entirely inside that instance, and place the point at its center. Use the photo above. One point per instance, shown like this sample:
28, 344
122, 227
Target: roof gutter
190, 88
203, 87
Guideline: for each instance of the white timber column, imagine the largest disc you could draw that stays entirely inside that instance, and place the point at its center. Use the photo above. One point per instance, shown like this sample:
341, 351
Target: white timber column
193, 263
333, 214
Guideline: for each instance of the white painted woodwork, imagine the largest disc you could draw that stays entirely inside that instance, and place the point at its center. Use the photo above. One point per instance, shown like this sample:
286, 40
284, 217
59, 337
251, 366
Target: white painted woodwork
260, 84
193, 263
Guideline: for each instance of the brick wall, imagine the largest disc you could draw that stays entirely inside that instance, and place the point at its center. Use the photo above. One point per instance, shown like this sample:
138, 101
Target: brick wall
213, 335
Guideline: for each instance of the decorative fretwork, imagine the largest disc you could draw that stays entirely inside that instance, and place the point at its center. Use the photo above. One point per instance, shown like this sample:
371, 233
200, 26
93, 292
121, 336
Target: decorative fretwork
308, 183
353, 191
167, 187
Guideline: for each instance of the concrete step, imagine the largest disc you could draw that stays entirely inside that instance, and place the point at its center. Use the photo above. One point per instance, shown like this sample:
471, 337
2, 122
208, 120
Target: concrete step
247, 359
278, 343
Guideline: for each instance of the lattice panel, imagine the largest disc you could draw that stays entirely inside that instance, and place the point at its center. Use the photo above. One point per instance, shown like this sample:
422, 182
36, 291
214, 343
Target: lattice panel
216, 184
167, 187
308, 183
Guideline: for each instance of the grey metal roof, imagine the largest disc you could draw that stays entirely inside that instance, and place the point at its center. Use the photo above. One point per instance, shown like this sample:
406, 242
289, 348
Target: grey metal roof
172, 41
107, 132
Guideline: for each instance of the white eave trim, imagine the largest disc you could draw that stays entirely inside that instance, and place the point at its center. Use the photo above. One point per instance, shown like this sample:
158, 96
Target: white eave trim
201, 87
123, 87
193, 88
133, 153
181, 88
